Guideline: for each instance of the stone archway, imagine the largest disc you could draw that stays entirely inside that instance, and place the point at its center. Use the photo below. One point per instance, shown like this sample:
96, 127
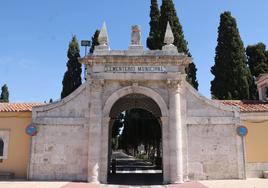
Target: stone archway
139, 90
154, 103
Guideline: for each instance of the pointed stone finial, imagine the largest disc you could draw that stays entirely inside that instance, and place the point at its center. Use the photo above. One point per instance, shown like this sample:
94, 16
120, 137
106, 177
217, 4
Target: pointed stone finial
169, 37
169, 48
103, 36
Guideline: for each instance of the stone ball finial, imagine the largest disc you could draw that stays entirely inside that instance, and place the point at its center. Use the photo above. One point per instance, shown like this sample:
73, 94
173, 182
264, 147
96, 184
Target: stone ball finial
169, 37
103, 36
135, 35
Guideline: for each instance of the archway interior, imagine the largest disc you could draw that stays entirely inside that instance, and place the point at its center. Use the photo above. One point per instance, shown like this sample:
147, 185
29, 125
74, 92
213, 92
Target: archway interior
135, 140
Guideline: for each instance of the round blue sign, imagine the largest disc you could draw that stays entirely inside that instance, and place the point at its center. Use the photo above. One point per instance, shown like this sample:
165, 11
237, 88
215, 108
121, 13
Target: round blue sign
242, 130
31, 130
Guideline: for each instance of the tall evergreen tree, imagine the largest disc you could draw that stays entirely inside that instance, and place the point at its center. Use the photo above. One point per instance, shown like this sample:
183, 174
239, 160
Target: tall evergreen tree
257, 59
94, 41
232, 76
72, 77
4, 94
153, 41
168, 14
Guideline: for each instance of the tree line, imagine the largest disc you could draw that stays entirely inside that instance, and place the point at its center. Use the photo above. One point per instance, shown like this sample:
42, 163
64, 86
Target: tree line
236, 68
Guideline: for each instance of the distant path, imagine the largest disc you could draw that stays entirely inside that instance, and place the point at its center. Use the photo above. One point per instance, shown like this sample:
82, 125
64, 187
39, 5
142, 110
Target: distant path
129, 164
132, 171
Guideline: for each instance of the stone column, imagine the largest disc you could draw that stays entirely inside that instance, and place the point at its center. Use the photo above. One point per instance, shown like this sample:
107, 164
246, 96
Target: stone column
105, 147
165, 146
175, 128
95, 118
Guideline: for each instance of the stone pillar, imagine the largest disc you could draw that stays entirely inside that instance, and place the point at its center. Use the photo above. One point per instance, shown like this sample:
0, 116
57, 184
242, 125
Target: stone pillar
175, 128
95, 125
165, 146
105, 147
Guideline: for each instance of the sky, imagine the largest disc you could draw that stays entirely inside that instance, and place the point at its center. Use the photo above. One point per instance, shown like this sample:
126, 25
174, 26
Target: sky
34, 36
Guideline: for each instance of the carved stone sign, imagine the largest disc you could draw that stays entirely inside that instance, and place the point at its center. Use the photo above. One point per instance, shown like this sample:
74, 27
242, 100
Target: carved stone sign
135, 69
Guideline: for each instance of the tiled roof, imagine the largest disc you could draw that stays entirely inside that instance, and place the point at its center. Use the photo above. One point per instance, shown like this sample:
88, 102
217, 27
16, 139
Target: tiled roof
18, 107
248, 106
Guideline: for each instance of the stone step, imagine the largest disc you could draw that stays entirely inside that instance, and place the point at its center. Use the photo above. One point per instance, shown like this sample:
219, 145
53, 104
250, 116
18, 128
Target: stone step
6, 175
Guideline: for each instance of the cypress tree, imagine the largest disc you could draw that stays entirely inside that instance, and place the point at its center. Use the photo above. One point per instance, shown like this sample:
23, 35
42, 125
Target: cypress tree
232, 76
4, 94
153, 41
168, 14
257, 59
72, 77
94, 40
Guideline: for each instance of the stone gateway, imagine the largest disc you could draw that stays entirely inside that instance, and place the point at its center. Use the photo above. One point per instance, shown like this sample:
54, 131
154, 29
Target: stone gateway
199, 139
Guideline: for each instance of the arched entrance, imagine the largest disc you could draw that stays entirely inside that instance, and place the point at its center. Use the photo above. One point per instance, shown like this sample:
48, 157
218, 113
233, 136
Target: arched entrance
134, 98
135, 141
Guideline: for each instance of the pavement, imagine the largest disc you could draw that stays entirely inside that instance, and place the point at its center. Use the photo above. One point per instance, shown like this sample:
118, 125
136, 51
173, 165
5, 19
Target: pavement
249, 183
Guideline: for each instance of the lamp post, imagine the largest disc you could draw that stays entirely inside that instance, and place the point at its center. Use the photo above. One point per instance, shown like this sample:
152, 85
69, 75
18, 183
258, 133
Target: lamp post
85, 43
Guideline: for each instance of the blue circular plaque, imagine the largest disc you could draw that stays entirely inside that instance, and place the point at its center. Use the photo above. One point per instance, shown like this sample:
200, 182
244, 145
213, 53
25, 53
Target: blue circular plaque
242, 130
31, 130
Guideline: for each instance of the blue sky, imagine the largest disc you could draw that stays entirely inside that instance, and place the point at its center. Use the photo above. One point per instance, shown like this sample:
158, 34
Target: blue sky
34, 36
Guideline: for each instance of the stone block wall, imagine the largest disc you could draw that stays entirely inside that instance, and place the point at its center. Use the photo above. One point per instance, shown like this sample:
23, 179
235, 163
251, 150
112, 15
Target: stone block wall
212, 152
59, 153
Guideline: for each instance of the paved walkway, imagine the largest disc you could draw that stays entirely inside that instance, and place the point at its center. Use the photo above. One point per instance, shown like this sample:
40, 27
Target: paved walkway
86, 185
129, 164
132, 171
249, 183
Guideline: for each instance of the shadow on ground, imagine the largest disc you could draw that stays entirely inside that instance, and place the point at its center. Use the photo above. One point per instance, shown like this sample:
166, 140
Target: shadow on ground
135, 179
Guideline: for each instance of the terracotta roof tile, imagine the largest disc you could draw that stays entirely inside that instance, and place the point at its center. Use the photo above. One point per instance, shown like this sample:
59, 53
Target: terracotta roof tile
248, 106
18, 107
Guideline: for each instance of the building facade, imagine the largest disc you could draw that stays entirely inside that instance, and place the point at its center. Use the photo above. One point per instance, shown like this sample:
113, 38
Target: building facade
199, 137
14, 142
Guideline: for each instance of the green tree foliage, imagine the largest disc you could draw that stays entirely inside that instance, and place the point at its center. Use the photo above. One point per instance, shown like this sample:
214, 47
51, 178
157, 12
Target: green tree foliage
191, 75
72, 77
233, 79
4, 94
94, 41
153, 41
257, 59
168, 14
